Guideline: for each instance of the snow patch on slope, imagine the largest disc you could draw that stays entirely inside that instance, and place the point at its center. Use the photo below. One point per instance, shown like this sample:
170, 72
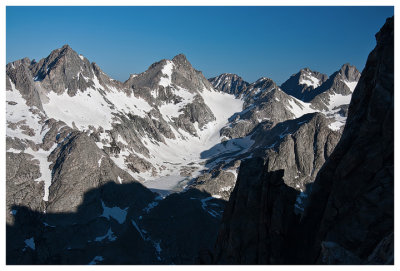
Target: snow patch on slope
299, 108
17, 112
167, 72
115, 212
46, 174
338, 100
338, 122
309, 81
94, 108
351, 85
83, 109
172, 110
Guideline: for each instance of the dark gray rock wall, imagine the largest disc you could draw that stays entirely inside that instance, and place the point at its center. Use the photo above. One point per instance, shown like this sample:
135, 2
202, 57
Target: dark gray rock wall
352, 199
257, 218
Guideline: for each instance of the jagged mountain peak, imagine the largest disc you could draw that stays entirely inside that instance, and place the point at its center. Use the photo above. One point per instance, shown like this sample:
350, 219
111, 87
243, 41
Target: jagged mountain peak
63, 70
180, 58
64, 51
166, 73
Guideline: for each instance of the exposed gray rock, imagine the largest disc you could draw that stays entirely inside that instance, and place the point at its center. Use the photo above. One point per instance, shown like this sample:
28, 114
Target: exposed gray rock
18, 73
21, 187
263, 101
79, 165
300, 147
229, 83
219, 183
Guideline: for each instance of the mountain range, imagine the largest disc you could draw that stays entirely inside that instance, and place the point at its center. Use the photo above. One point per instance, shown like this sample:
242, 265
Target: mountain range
153, 170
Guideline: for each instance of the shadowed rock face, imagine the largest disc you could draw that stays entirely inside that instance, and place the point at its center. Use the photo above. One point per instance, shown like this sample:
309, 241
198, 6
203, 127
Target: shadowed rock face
257, 218
349, 215
352, 200
121, 223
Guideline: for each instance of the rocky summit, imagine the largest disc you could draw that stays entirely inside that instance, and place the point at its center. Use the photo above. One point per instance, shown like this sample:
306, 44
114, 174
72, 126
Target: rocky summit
171, 168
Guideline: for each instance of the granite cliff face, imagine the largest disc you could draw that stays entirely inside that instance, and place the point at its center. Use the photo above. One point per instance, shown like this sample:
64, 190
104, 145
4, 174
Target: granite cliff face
348, 210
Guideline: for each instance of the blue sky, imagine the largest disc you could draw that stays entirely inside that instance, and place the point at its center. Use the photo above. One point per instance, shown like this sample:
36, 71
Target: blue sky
252, 42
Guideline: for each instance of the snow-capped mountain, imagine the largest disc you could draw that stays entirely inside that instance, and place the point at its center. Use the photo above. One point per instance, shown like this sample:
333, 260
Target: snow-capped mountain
72, 130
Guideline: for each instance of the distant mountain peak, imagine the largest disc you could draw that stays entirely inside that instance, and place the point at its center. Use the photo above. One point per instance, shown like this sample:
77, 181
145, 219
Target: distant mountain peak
302, 83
